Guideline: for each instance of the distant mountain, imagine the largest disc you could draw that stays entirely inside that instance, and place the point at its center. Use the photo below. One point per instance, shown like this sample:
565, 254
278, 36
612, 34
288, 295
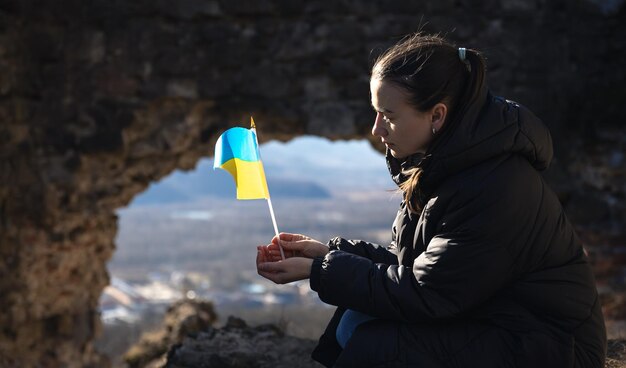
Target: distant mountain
306, 167
204, 181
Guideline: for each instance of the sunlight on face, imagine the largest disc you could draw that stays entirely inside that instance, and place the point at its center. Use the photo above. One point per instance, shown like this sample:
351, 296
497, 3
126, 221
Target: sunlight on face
400, 126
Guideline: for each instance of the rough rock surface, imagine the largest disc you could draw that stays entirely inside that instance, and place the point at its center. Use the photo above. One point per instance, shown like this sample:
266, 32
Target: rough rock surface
240, 346
188, 339
100, 98
182, 319
616, 355
237, 345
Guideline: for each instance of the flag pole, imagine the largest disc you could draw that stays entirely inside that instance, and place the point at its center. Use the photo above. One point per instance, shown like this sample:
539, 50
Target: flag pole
269, 203
269, 200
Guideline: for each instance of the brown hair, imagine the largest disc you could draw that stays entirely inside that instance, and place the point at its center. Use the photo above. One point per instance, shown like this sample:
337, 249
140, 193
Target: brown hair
431, 71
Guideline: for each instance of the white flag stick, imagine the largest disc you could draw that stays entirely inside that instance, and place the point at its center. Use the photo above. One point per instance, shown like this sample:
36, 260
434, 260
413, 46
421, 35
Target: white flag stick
269, 203
269, 200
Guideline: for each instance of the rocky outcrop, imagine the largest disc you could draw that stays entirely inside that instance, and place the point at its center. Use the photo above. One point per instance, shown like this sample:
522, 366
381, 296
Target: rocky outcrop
238, 345
183, 319
188, 338
616, 355
100, 98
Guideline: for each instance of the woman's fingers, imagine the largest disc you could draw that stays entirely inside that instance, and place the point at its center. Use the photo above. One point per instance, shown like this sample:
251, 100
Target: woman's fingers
272, 271
262, 260
273, 253
265, 254
294, 245
309, 248
299, 245
291, 269
272, 267
290, 248
261, 255
277, 278
290, 237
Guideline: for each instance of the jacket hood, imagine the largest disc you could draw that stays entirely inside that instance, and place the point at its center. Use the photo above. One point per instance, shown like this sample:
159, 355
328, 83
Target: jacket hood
490, 127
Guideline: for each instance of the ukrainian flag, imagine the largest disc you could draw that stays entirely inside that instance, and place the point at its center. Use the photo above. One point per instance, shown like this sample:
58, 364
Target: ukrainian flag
237, 152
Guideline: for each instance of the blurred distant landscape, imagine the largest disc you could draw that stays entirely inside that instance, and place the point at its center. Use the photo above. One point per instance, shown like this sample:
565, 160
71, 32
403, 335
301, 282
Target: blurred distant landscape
188, 237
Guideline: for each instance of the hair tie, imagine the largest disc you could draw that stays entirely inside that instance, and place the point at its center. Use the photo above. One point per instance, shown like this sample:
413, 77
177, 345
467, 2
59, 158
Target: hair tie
462, 53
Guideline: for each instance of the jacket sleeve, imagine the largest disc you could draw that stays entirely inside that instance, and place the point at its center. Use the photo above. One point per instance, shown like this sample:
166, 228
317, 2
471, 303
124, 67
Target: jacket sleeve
462, 267
374, 252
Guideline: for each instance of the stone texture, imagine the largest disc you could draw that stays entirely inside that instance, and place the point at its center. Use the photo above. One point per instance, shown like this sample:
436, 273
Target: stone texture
616, 354
183, 319
188, 339
98, 99
237, 345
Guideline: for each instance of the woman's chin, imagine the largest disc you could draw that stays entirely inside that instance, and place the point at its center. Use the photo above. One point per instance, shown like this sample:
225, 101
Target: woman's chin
396, 154
402, 155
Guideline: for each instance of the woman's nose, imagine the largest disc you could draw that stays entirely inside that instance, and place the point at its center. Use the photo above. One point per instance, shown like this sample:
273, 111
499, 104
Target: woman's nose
379, 129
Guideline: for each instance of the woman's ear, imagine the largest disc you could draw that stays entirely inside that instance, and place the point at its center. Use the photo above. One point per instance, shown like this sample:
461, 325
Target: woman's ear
438, 115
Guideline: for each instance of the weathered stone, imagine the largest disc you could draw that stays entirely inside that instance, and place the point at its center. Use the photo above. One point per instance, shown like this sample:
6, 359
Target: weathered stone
331, 119
616, 354
265, 347
237, 346
518, 5
319, 88
190, 9
183, 319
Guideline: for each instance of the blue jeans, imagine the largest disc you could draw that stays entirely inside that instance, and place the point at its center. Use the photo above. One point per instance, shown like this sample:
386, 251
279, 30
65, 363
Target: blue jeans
348, 323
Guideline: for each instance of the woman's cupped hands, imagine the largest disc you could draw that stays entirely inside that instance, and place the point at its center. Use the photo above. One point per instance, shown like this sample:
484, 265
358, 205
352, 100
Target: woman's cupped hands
299, 251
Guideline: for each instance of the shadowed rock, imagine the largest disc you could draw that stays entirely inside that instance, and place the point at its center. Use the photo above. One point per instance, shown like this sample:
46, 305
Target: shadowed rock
616, 355
238, 345
183, 319
188, 334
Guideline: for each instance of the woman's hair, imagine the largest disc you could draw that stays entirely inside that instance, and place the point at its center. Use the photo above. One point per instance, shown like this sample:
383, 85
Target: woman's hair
430, 70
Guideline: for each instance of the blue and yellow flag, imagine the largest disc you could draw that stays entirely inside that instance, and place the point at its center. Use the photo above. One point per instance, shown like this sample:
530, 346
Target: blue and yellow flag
237, 152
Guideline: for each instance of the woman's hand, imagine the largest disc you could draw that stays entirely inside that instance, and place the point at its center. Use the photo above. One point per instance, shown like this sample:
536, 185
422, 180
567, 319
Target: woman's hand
295, 245
282, 271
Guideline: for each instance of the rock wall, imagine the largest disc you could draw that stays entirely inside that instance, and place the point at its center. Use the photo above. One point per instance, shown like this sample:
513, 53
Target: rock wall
187, 338
99, 98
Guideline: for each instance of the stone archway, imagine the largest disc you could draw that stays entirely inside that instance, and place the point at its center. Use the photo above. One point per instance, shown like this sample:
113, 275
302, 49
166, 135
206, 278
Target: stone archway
99, 98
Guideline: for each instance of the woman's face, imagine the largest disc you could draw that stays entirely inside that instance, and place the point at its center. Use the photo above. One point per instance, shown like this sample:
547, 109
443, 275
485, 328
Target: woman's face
401, 127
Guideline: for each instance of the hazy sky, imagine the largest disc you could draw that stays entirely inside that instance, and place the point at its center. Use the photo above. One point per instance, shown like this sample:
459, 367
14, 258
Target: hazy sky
338, 164
324, 153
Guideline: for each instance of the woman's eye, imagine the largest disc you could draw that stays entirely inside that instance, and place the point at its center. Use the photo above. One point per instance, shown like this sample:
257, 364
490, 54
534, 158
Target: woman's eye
386, 119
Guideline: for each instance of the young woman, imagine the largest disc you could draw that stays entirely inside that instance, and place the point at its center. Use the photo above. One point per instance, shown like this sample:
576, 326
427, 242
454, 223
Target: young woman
484, 269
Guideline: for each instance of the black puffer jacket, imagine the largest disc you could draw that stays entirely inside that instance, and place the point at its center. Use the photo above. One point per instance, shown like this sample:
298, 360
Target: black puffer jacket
491, 274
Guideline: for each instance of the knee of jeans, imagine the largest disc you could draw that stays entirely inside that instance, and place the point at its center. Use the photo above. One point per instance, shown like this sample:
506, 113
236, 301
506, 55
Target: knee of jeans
348, 324
343, 333
374, 343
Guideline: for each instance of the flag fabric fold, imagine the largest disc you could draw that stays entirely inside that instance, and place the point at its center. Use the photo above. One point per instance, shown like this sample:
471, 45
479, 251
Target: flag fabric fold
237, 152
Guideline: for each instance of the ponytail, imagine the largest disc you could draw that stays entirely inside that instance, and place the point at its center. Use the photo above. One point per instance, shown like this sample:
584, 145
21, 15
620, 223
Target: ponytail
477, 69
410, 188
